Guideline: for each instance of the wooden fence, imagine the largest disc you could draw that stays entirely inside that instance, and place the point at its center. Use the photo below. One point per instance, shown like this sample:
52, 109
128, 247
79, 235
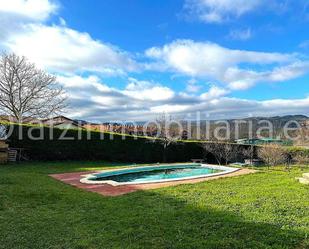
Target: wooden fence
3, 152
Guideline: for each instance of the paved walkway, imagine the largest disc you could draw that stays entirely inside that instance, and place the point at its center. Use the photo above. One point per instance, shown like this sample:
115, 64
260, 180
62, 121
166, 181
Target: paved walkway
108, 190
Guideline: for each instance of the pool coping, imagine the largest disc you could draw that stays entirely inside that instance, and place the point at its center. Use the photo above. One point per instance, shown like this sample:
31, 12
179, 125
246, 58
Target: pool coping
73, 179
225, 170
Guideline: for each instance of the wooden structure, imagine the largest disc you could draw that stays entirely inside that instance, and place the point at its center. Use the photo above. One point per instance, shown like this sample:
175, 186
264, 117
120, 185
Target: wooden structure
253, 162
12, 155
16, 155
197, 160
62, 122
3, 152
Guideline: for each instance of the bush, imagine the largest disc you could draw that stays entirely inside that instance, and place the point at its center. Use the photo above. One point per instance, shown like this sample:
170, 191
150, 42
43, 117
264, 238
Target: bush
299, 155
272, 154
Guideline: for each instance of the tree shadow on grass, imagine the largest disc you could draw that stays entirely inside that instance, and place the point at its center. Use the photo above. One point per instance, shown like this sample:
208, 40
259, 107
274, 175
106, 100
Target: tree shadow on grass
157, 221
59, 216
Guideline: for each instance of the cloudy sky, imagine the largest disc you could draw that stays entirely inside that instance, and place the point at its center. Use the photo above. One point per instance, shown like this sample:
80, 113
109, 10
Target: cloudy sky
135, 59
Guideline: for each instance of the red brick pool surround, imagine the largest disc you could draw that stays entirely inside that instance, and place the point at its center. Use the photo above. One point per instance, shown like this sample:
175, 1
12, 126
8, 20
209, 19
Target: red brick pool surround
73, 179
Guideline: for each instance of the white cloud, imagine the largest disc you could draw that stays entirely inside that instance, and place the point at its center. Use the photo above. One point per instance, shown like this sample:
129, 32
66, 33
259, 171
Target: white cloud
192, 86
63, 49
239, 69
206, 58
89, 94
15, 13
214, 92
30, 9
24, 31
240, 34
244, 79
218, 11
279, 103
304, 44
168, 108
75, 81
288, 72
62, 22
145, 90
93, 100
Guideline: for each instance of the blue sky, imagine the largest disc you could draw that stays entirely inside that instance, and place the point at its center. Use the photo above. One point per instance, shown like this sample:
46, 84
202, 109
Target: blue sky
134, 59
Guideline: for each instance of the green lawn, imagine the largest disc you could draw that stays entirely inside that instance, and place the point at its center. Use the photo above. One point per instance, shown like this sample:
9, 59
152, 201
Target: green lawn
269, 209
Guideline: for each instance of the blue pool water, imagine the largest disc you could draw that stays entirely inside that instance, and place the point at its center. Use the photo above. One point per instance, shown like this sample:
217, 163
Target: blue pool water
157, 173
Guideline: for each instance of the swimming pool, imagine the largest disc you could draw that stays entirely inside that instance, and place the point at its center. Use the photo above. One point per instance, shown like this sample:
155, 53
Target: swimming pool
155, 174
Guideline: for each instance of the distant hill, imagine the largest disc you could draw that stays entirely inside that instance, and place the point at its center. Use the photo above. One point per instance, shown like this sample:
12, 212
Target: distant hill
281, 118
249, 127
285, 118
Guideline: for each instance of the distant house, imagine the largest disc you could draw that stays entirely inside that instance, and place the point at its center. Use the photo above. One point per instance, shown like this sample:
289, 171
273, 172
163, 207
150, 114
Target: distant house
5, 118
97, 127
263, 141
12, 119
61, 122
134, 130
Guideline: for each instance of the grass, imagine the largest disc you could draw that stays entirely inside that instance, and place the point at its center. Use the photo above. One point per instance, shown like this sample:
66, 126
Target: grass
268, 209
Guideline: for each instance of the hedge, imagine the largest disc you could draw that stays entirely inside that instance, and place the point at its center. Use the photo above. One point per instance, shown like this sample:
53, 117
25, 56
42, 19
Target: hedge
100, 146
112, 147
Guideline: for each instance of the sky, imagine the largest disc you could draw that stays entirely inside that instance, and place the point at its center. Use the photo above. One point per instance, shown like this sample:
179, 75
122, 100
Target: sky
122, 60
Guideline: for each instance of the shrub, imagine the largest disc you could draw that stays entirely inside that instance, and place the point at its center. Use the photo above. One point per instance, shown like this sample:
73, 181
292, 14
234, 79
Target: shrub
299, 155
272, 154
302, 159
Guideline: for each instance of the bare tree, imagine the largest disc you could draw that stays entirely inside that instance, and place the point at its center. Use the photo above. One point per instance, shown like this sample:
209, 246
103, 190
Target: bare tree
272, 154
230, 152
26, 91
167, 133
221, 151
249, 153
215, 149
